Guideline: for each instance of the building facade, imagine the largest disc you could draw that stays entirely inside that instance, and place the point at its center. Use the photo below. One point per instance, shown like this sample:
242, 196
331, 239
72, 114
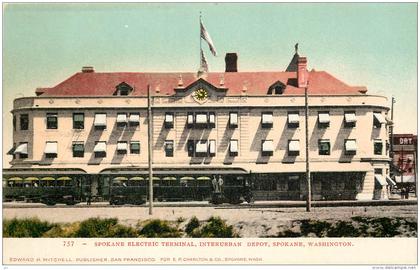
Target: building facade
234, 124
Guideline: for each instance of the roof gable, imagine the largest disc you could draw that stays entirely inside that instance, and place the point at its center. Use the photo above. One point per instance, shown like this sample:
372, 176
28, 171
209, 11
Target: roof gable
200, 83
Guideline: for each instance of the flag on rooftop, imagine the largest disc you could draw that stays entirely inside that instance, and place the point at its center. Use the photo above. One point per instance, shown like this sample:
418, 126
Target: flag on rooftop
204, 66
206, 36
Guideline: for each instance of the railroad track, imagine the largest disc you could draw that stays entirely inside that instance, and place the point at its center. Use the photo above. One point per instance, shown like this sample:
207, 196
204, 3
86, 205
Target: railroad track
259, 204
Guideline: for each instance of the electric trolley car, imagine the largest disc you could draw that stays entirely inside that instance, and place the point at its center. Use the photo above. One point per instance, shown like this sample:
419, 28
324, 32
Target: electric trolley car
135, 190
47, 190
124, 189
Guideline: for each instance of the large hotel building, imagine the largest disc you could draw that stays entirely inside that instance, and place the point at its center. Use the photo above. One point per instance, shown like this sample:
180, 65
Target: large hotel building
234, 124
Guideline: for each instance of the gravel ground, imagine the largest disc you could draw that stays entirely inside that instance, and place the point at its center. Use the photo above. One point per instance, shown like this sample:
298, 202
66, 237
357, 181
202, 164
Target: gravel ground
252, 222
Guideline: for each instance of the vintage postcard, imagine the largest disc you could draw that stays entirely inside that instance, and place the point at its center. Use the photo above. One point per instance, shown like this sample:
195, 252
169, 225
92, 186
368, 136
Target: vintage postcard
210, 133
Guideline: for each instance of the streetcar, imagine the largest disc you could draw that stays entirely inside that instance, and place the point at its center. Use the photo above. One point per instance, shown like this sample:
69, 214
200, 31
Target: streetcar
48, 190
135, 190
126, 189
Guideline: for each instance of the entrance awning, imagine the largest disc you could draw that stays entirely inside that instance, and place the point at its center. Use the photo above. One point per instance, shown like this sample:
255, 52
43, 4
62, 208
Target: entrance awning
380, 179
100, 147
50, 148
100, 120
405, 179
22, 149
390, 181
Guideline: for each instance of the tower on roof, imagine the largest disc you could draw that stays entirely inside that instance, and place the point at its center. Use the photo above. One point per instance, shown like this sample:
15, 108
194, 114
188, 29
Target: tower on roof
293, 65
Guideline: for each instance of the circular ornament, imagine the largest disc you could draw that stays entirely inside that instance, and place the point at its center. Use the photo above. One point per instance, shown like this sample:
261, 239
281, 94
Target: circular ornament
201, 94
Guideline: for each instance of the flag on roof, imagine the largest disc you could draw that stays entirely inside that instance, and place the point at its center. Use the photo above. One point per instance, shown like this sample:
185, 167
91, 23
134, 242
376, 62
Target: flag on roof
204, 66
206, 36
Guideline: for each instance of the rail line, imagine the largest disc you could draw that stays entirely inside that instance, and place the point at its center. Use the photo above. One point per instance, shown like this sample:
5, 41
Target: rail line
259, 204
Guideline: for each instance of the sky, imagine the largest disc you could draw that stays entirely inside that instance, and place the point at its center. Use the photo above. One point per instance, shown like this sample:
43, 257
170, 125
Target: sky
363, 44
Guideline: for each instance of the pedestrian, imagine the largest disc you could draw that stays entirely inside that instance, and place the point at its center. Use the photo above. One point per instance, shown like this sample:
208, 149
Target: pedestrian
215, 185
220, 183
89, 199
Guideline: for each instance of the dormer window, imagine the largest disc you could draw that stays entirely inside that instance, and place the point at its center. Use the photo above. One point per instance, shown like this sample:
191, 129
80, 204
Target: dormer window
123, 89
276, 88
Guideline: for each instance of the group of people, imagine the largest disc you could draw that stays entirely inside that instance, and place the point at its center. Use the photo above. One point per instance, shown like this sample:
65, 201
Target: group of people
217, 184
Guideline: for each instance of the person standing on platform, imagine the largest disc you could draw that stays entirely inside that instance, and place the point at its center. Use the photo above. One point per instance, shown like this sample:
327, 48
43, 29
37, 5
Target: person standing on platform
220, 183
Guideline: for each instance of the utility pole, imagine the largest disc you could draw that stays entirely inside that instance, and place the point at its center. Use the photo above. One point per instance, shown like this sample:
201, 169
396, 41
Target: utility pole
308, 173
392, 129
402, 164
150, 144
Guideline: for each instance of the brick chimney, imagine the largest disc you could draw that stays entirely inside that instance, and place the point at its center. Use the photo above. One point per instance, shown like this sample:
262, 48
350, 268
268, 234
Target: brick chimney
302, 72
231, 60
87, 69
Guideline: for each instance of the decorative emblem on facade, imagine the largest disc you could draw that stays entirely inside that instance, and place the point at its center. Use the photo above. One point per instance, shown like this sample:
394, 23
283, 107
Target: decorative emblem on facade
127, 101
100, 101
201, 95
77, 101
51, 101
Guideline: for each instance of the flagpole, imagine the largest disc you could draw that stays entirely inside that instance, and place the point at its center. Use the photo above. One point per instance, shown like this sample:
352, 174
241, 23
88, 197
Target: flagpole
200, 42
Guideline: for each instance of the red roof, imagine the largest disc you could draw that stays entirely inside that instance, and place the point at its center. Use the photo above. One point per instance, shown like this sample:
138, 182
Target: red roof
255, 83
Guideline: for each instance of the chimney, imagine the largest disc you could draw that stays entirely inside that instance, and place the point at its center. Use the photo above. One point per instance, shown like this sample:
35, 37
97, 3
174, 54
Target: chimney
39, 91
231, 60
302, 72
87, 69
